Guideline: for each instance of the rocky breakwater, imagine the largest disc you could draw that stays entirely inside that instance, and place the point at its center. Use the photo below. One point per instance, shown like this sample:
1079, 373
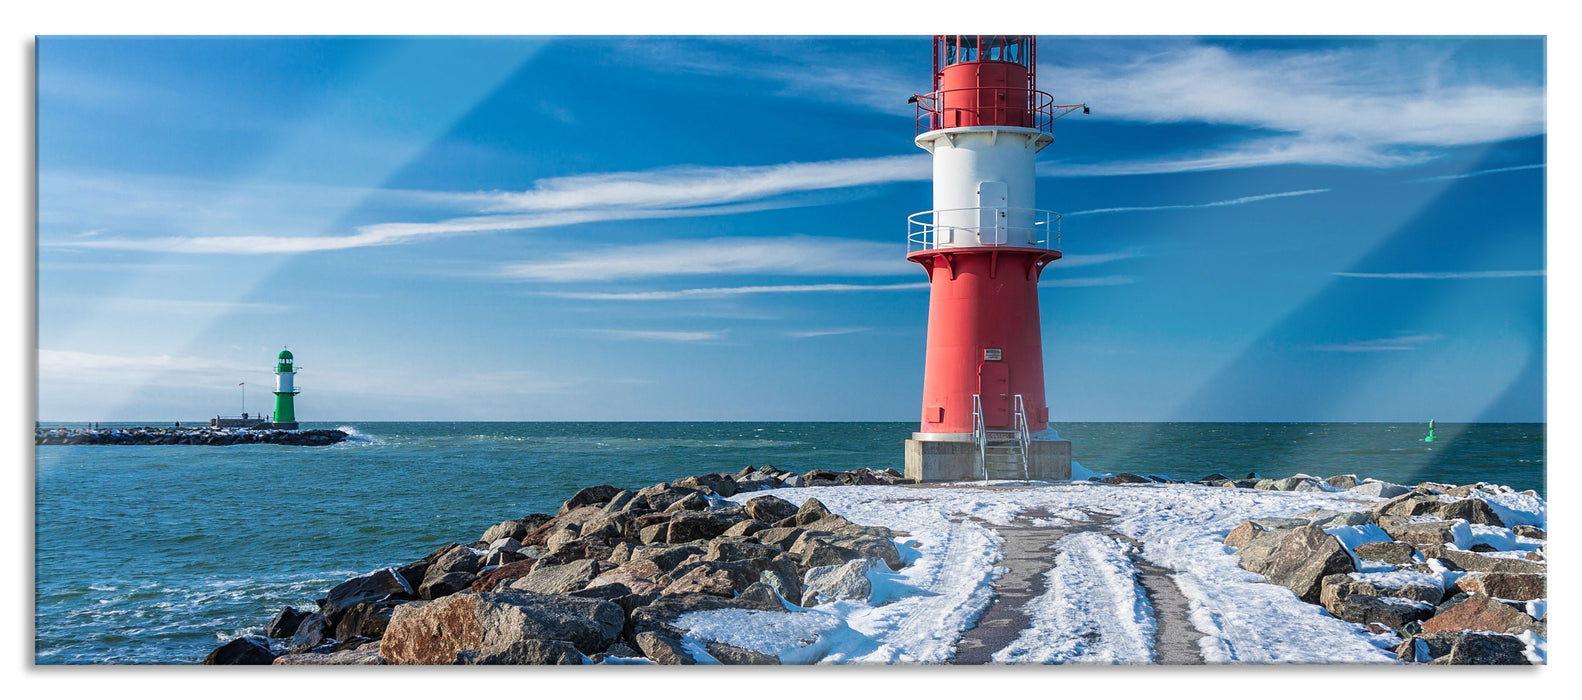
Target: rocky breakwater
185, 436
603, 580
1432, 570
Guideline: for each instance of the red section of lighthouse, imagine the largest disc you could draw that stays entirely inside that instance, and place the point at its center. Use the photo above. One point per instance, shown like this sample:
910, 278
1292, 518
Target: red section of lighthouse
984, 245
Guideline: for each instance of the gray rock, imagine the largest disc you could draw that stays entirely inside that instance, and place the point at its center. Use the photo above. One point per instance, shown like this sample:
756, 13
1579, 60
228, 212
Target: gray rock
242, 651
819, 552
745, 528
1505, 586
662, 496
693, 501
725, 548
1419, 533
1379, 489
1413, 503
1472, 561
779, 537
366, 620
666, 556
715, 484
1398, 553
515, 529
443, 585
1422, 648
822, 584
1472, 510
1529, 531
368, 588
1488, 650
285, 623
770, 508
554, 579
592, 495
1340, 586
1302, 560
703, 525
663, 647
313, 631
523, 652
1350, 519
812, 509
793, 481
1394, 613
1342, 481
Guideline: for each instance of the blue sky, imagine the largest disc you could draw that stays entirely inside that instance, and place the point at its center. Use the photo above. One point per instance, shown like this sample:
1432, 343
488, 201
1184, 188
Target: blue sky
713, 228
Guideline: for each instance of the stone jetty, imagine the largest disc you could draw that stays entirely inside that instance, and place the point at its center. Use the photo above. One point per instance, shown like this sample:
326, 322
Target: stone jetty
1429, 572
184, 436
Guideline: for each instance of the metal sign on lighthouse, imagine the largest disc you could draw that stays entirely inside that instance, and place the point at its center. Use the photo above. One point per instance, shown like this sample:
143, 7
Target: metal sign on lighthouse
984, 245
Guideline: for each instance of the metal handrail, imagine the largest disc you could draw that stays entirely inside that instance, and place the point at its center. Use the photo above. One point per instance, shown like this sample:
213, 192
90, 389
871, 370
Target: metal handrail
1035, 109
1023, 434
980, 434
924, 235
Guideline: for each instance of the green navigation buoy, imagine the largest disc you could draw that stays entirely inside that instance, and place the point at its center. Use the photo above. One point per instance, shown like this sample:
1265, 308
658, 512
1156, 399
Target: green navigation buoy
1430, 437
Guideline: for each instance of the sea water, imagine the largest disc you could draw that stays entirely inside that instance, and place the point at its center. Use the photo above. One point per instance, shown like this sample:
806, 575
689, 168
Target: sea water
157, 554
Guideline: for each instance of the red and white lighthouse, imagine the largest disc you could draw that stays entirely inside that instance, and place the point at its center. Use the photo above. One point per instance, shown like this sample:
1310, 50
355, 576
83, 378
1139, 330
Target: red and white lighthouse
984, 245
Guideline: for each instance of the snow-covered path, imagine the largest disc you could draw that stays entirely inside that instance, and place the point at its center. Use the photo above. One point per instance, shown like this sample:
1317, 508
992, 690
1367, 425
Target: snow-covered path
1093, 610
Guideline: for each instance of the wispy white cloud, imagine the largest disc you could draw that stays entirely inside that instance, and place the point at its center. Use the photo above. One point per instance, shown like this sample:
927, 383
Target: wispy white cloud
662, 336
1470, 275
1221, 203
825, 332
694, 186
1392, 344
1110, 281
1084, 260
783, 255
1372, 106
1479, 173
715, 292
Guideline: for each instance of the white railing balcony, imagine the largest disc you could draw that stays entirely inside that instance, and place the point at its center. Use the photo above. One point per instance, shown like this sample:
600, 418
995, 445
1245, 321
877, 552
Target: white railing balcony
974, 227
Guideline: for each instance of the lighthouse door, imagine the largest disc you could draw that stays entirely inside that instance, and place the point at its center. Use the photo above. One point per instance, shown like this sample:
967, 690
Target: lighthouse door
992, 213
995, 387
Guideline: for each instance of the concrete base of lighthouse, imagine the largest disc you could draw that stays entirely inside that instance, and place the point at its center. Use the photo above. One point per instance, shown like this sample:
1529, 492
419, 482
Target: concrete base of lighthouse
954, 457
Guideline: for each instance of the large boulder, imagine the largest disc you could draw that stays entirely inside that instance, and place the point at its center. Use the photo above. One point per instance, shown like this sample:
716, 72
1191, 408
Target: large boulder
710, 580
779, 537
693, 501
1504, 586
823, 584
368, 588
745, 528
285, 623
1342, 481
661, 496
366, 620
812, 510
1341, 585
715, 484
1304, 558
434, 632
1394, 613
726, 548
1472, 510
563, 578
701, 525
242, 651
1423, 648
1378, 489
821, 552
662, 613
1421, 533
592, 495
523, 652
1398, 553
1472, 561
1409, 504
770, 508
1488, 650
666, 556
663, 647
1480, 613
313, 631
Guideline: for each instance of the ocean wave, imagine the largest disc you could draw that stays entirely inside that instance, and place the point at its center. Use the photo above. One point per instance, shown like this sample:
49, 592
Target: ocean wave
353, 435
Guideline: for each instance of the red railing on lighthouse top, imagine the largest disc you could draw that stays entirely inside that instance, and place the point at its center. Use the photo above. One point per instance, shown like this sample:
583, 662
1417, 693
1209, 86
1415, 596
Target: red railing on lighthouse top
986, 80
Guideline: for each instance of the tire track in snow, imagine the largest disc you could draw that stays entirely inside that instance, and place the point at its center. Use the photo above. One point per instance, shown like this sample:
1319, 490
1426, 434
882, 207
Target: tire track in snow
1093, 610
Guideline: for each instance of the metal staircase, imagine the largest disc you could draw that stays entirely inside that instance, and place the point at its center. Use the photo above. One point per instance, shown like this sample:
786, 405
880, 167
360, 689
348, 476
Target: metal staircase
1002, 454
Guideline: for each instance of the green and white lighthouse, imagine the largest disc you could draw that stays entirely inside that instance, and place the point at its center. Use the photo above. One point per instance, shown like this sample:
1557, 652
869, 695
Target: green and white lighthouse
285, 392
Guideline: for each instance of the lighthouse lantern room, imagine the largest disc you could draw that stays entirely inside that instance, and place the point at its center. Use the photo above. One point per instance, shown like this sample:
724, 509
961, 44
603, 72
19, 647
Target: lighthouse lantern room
984, 246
